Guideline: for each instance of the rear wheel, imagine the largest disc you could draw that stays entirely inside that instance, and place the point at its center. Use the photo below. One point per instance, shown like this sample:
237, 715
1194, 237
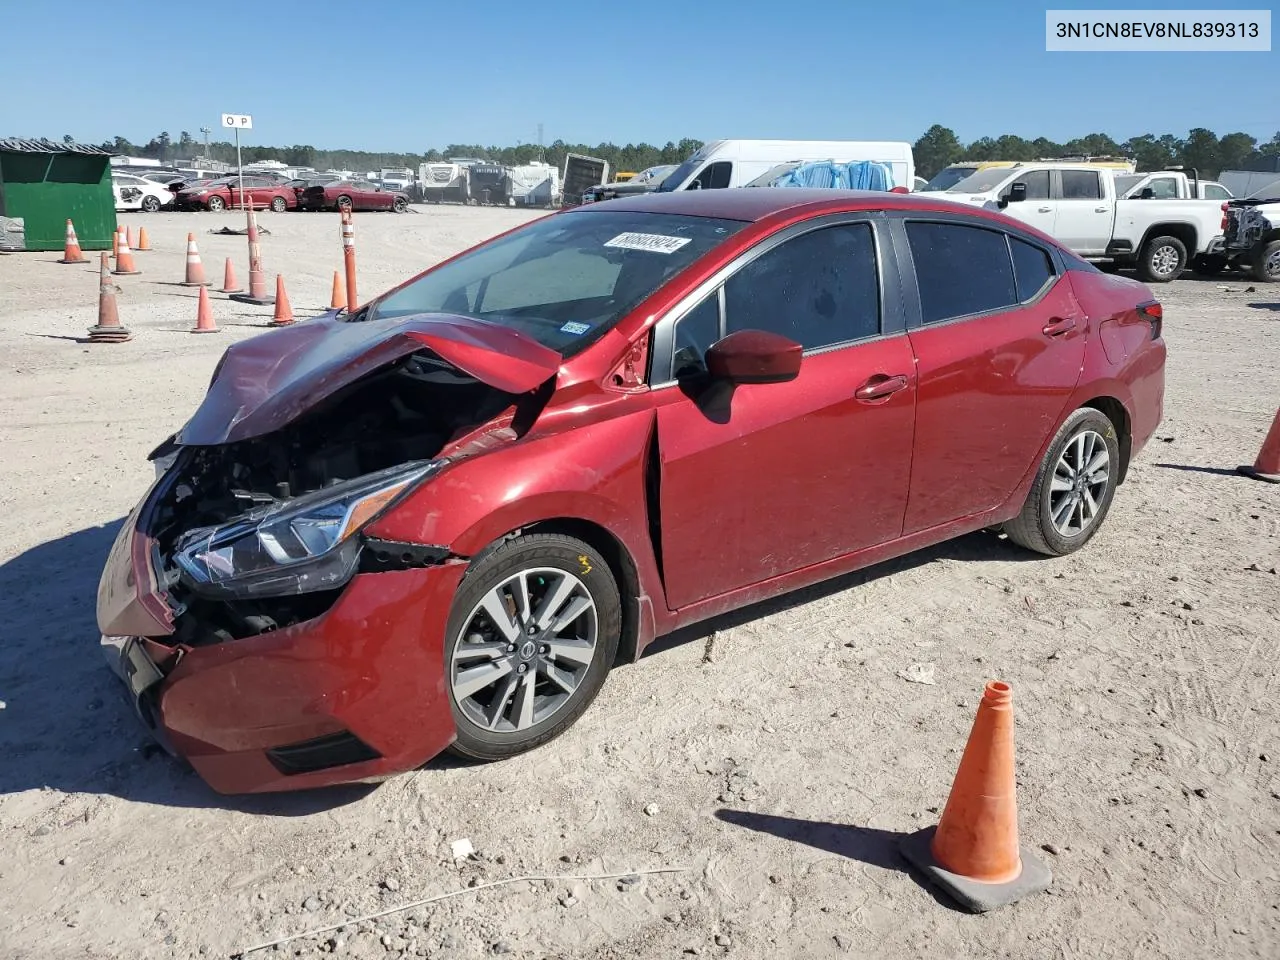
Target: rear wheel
532, 635
400, 205
1266, 262
150, 204
1073, 488
279, 204
216, 204
1162, 259
343, 203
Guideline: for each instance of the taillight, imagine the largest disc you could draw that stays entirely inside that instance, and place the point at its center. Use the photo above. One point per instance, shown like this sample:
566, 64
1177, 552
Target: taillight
1224, 217
900, 190
1153, 313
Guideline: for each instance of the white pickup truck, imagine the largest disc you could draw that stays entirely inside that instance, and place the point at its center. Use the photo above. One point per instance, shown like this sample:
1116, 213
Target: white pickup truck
1078, 205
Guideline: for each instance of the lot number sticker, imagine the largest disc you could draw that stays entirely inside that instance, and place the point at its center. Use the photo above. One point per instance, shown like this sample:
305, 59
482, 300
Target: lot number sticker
652, 242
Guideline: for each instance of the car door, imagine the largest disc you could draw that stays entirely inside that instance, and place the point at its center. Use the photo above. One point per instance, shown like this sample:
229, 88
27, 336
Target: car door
999, 345
763, 479
1039, 209
1085, 214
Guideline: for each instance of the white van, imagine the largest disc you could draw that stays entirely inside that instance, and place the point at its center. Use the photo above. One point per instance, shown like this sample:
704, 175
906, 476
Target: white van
735, 163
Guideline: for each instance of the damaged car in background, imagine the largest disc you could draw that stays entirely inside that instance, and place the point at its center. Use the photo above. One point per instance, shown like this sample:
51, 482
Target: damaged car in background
439, 521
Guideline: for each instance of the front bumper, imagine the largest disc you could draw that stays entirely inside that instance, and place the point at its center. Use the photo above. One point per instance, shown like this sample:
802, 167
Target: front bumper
369, 672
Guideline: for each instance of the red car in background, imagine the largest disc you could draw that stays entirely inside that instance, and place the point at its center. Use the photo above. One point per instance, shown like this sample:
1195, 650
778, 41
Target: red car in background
356, 194
438, 521
222, 194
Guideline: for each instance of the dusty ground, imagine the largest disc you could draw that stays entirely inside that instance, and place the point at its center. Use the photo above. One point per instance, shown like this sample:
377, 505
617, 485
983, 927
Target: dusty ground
784, 753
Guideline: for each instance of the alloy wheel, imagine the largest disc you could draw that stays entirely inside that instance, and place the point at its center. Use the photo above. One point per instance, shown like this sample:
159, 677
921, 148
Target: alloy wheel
1079, 483
1271, 265
524, 650
1165, 260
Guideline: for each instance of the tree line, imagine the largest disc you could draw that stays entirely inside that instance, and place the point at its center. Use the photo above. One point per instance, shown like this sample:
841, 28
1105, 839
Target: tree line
939, 146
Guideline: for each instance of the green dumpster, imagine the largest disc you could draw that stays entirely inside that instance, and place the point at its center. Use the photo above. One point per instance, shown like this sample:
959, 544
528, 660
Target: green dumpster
45, 184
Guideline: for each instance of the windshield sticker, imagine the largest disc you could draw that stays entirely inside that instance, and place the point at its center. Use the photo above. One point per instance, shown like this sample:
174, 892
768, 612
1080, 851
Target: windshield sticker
652, 242
576, 328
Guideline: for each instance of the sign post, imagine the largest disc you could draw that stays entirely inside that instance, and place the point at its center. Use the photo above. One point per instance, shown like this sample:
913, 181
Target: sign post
238, 122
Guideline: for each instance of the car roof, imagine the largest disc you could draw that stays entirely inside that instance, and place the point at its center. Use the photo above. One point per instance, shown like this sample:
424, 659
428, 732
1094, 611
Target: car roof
752, 204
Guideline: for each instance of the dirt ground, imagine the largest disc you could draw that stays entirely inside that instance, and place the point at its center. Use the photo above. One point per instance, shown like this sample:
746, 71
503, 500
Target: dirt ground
783, 752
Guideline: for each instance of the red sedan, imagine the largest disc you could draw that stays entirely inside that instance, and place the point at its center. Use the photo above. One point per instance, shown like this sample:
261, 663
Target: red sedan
355, 194
216, 195
437, 523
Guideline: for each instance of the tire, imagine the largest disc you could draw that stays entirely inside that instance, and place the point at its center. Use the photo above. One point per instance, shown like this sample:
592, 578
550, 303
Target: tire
1162, 259
1034, 527
151, 204
1209, 265
400, 205
279, 204
216, 204
1266, 262
342, 201
540, 558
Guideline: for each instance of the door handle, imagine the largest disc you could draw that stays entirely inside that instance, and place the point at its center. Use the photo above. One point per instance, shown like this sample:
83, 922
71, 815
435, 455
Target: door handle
1058, 326
1101, 209
880, 387
1044, 209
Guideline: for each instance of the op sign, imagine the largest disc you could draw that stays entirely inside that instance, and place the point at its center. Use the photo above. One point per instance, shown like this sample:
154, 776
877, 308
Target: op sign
241, 121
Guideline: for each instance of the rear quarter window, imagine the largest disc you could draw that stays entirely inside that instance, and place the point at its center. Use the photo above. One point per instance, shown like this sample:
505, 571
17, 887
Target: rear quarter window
1032, 269
960, 270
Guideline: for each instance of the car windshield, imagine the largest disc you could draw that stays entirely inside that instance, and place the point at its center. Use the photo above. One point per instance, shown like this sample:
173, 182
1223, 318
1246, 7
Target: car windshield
680, 174
566, 279
982, 181
948, 177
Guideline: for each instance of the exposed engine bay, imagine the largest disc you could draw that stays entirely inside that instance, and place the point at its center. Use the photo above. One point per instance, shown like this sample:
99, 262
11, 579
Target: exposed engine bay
404, 413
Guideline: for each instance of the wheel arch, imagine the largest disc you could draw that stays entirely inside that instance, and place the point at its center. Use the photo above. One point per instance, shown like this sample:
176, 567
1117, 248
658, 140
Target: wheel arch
1186, 232
1118, 414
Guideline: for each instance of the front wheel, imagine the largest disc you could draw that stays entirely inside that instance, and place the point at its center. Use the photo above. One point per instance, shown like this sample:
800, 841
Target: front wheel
344, 203
1073, 488
400, 205
1266, 262
533, 632
1162, 259
279, 204
150, 204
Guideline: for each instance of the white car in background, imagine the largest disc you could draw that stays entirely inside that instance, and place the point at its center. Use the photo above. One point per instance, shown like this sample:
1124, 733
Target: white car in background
138, 193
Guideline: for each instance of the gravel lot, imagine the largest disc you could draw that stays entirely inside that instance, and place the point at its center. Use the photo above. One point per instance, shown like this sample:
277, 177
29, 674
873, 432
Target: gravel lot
774, 757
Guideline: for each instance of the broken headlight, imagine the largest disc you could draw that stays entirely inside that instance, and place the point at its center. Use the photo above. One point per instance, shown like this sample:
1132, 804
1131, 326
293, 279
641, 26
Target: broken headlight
293, 546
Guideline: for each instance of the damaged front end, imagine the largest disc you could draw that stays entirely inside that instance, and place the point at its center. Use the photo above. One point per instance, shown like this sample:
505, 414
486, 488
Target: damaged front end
254, 528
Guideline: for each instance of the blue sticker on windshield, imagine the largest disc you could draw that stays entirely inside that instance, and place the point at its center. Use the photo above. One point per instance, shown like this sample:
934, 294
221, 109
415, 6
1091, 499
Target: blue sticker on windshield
575, 328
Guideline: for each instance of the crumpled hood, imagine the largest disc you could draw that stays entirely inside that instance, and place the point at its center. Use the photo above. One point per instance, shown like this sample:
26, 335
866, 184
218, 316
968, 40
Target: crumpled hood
264, 383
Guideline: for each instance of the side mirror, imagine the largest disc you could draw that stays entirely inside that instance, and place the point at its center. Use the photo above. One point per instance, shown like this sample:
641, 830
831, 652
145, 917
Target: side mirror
1017, 193
1146, 194
754, 356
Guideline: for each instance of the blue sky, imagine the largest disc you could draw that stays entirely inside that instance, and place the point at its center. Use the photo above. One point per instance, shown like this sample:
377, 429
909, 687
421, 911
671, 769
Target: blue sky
425, 73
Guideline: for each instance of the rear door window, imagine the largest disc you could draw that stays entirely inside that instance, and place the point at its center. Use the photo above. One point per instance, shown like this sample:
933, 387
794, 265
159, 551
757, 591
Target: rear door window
960, 270
1081, 185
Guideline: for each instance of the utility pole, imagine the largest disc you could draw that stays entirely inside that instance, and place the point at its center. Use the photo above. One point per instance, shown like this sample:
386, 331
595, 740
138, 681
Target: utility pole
542, 154
206, 131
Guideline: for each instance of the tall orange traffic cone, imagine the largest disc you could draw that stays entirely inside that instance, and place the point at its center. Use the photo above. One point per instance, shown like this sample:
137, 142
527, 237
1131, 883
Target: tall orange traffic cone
108, 328
195, 269
124, 260
143, 242
973, 854
1267, 466
204, 315
339, 299
284, 312
229, 284
128, 236
71, 252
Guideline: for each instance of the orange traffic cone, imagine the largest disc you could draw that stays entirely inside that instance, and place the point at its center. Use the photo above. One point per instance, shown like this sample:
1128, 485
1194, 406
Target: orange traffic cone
124, 260
973, 854
339, 299
108, 328
195, 269
128, 236
204, 315
229, 284
284, 312
1267, 466
143, 242
71, 252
